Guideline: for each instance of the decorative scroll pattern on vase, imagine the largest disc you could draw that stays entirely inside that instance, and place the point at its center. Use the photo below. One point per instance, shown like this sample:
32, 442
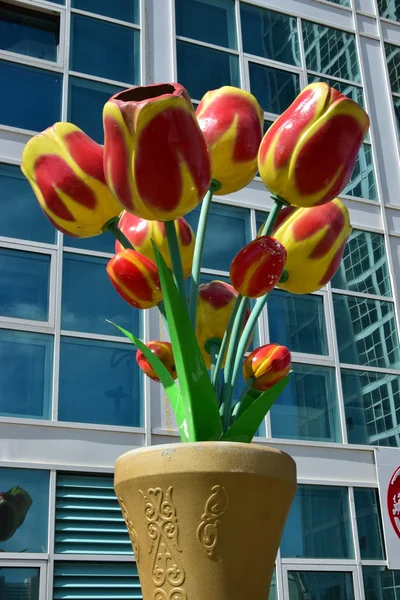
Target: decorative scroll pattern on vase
216, 506
163, 531
131, 529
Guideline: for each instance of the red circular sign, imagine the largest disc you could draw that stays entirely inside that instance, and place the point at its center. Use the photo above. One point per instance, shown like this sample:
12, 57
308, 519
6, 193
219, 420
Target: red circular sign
393, 500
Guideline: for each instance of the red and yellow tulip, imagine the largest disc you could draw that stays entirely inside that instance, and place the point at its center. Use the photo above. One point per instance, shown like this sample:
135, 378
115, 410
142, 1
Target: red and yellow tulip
232, 121
135, 278
267, 365
163, 351
308, 155
257, 268
141, 233
65, 169
156, 160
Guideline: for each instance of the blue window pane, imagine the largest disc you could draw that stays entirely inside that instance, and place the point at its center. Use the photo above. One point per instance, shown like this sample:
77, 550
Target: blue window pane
211, 21
124, 10
269, 34
362, 183
44, 106
21, 215
372, 407
393, 65
320, 585
274, 89
369, 524
19, 582
29, 32
307, 409
389, 9
201, 69
381, 584
104, 49
297, 322
88, 298
24, 281
318, 524
26, 374
25, 494
366, 332
99, 383
100, 243
85, 106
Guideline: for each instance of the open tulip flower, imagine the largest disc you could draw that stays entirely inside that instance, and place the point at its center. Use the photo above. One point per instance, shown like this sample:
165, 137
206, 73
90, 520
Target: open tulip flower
308, 155
135, 277
163, 351
141, 233
232, 121
257, 268
65, 169
267, 365
156, 159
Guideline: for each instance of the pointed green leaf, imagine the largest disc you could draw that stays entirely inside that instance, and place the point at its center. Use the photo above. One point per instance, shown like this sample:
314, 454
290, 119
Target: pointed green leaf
247, 401
200, 415
246, 425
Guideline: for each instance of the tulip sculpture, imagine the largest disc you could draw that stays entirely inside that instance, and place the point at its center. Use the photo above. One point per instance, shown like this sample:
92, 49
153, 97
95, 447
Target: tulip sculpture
160, 160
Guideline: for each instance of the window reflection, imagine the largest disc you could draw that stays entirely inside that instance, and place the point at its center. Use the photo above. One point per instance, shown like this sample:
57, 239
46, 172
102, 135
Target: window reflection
19, 583
389, 9
381, 584
393, 63
124, 10
362, 182
211, 21
274, 89
320, 585
369, 524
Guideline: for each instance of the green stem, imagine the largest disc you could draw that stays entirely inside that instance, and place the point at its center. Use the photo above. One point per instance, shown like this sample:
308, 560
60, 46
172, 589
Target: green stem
273, 215
176, 259
213, 351
198, 251
242, 396
112, 226
224, 345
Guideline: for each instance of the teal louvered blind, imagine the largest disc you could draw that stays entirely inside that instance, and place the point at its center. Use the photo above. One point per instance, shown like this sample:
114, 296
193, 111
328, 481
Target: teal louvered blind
96, 581
88, 517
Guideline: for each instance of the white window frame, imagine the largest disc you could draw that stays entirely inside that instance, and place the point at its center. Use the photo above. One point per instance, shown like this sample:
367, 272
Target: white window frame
27, 564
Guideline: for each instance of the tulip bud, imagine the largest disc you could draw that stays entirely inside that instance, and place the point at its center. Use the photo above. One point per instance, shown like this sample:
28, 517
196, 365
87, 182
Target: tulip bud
215, 304
14, 506
308, 155
156, 159
315, 239
135, 278
257, 268
141, 233
163, 350
267, 365
65, 169
232, 122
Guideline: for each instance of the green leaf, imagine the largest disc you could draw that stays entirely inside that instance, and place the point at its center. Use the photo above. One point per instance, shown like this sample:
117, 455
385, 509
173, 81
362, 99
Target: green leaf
246, 425
166, 379
248, 400
198, 414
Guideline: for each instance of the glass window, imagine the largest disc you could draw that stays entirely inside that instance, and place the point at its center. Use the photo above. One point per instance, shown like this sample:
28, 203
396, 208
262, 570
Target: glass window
325, 585
372, 407
201, 69
364, 266
44, 106
100, 243
99, 383
330, 51
369, 524
297, 322
26, 361
269, 34
124, 10
351, 91
366, 332
380, 583
86, 100
393, 63
88, 298
362, 182
273, 592
341, 2
307, 409
24, 506
389, 9
211, 21
29, 32
274, 89
396, 105
19, 582
97, 48
24, 281
318, 524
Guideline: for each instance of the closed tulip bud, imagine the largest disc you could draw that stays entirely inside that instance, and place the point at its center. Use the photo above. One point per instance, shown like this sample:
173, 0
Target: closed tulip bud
14, 506
65, 169
163, 351
135, 277
141, 233
156, 159
308, 155
257, 268
267, 365
314, 239
215, 304
232, 121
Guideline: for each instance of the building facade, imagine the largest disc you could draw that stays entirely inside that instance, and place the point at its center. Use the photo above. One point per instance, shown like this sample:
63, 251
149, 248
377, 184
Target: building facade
71, 396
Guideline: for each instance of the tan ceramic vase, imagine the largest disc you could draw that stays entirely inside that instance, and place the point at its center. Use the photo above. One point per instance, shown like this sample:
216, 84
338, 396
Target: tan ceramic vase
205, 519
